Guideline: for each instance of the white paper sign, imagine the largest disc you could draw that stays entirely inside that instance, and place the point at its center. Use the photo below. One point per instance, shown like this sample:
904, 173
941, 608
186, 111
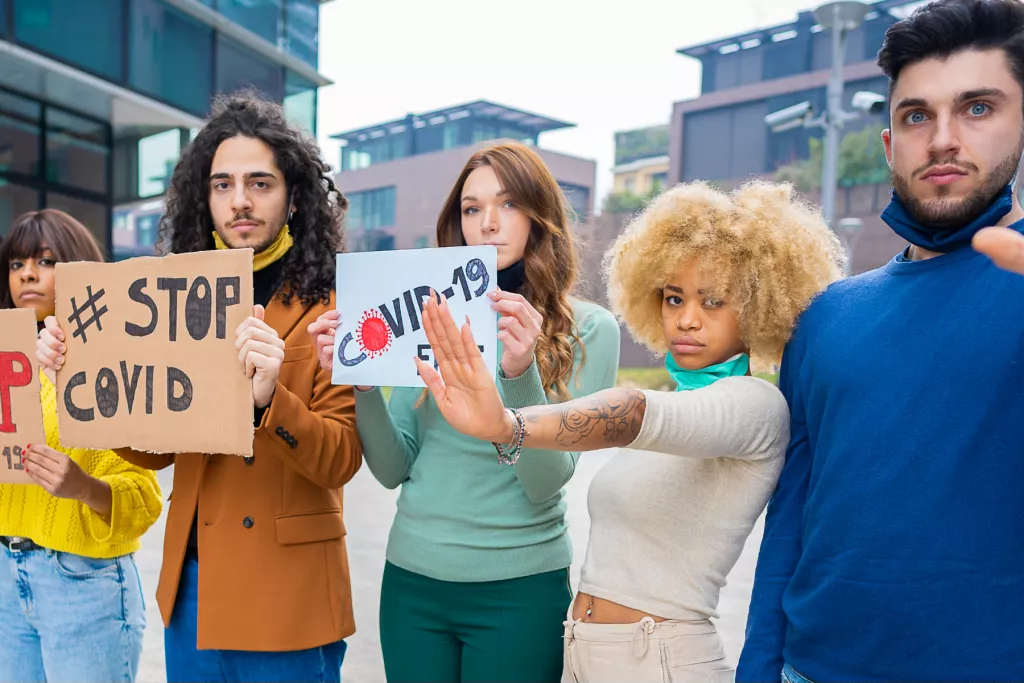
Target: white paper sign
380, 297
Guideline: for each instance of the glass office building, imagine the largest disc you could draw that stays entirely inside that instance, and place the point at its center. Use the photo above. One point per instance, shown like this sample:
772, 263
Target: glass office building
98, 97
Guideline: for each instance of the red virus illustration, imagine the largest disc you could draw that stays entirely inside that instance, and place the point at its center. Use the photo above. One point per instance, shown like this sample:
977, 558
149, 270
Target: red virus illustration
373, 334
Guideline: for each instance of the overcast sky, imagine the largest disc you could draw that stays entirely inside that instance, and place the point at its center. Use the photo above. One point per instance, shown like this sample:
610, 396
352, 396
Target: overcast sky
605, 66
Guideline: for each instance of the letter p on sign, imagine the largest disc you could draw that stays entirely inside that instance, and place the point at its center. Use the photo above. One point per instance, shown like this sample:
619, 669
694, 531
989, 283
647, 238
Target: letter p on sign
15, 371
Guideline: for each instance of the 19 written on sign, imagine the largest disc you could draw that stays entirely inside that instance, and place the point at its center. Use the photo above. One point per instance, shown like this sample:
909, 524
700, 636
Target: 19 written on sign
200, 315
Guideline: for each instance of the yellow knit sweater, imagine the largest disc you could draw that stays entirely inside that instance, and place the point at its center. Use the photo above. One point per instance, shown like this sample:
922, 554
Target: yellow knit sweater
69, 525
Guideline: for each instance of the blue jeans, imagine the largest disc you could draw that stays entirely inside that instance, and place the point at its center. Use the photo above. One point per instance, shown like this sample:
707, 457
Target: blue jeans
791, 675
186, 664
65, 617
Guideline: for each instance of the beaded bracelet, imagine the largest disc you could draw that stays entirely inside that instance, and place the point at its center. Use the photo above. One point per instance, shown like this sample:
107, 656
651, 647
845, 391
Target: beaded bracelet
508, 455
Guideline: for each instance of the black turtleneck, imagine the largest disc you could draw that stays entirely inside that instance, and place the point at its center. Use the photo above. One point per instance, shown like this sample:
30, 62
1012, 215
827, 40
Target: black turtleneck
265, 284
512, 278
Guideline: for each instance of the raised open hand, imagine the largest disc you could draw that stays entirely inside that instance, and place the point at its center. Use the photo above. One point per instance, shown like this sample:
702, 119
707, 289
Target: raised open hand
463, 387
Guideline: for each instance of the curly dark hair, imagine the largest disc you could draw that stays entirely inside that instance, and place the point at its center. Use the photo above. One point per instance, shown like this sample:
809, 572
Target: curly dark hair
187, 226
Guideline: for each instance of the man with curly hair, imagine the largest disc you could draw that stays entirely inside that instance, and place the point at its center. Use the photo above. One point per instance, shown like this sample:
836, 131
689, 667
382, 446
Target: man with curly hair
255, 582
892, 547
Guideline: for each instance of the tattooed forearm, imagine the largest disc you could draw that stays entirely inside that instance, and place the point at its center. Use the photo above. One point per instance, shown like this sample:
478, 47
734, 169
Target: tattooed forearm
608, 418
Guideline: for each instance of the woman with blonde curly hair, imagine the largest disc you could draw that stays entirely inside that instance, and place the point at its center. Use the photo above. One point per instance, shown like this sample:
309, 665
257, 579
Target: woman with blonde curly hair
476, 583
713, 280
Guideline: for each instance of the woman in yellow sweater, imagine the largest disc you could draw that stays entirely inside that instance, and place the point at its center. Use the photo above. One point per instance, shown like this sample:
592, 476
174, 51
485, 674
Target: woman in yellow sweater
71, 605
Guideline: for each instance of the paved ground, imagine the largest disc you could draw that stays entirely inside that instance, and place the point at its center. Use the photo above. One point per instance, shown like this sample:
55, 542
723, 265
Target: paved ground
368, 514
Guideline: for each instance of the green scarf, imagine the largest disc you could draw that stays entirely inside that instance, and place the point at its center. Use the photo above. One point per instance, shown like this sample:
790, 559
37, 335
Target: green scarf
686, 380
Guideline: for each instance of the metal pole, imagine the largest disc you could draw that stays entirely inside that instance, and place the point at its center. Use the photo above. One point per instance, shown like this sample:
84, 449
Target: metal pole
833, 122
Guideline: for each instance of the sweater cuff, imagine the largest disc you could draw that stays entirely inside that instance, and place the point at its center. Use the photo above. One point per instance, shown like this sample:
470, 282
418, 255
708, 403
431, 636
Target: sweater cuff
648, 435
523, 391
102, 528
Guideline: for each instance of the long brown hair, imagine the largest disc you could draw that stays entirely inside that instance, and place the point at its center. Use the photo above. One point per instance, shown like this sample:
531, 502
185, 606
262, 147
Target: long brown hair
550, 258
35, 231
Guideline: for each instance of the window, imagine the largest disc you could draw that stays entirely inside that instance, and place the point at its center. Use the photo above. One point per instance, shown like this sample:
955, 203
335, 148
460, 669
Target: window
738, 68
238, 67
355, 159
19, 134
86, 34
14, 201
579, 200
451, 135
659, 180
629, 183
164, 44
135, 231
93, 215
302, 29
371, 241
300, 102
262, 17
371, 209
483, 133
788, 57
726, 143
77, 151
158, 155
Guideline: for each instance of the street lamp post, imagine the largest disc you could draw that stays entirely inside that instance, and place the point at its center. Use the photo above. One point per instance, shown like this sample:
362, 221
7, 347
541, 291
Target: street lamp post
839, 18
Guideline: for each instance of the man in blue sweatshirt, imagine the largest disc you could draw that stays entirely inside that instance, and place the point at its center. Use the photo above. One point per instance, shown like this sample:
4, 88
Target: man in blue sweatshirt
894, 545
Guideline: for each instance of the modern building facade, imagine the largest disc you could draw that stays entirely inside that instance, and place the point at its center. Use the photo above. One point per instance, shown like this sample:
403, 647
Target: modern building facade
98, 97
721, 135
641, 160
397, 174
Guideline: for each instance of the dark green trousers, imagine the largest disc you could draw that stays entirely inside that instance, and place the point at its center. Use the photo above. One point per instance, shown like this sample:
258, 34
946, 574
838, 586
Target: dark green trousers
492, 632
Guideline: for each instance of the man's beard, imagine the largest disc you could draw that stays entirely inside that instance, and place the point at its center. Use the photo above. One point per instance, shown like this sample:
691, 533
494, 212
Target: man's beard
944, 212
241, 240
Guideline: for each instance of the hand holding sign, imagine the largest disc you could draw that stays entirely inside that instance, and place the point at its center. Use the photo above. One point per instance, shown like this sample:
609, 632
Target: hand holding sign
1004, 246
62, 477
463, 386
260, 351
50, 346
380, 300
518, 329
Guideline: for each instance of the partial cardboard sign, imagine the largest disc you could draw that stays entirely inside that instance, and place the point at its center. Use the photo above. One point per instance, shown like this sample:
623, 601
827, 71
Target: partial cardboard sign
380, 297
21, 413
151, 361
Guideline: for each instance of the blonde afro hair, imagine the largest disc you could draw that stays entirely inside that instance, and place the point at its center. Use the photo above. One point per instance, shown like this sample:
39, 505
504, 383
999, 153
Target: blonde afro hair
770, 253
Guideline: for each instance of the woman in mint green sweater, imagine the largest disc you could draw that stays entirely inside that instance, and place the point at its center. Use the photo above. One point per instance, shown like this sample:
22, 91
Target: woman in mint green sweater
476, 585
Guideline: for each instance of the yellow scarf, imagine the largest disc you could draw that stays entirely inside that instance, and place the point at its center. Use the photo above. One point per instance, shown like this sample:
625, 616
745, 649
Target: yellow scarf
274, 252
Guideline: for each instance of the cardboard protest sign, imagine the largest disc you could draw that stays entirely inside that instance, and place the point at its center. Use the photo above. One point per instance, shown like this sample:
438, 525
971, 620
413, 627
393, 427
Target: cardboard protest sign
21, 414
380, 297
151, 361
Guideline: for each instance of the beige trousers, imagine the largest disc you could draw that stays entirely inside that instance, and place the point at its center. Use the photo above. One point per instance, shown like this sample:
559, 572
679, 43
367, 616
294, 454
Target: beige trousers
644, 652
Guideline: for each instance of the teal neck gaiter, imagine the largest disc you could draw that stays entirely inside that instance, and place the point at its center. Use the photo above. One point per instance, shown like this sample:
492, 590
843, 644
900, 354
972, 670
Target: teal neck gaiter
687, 380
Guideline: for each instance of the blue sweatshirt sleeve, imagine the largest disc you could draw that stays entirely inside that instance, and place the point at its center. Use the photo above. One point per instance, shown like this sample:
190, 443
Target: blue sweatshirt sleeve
762, 656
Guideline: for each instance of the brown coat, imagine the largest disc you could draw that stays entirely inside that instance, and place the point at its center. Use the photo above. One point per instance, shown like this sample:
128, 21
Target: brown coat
273, 566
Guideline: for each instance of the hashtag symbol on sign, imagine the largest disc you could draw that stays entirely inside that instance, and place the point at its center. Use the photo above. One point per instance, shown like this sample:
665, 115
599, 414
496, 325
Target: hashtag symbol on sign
76, 313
